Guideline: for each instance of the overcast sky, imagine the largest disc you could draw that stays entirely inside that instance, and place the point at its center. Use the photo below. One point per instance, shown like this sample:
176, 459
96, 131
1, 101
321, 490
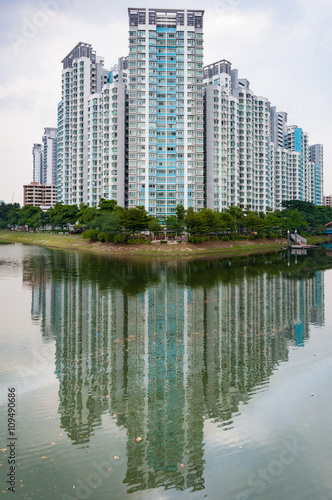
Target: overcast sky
282, 47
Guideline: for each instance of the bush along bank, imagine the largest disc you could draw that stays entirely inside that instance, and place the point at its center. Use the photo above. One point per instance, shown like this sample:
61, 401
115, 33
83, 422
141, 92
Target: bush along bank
132, 239
104, 236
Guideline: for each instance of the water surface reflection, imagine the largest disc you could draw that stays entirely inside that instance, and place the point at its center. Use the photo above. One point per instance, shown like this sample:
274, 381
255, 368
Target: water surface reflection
162, 346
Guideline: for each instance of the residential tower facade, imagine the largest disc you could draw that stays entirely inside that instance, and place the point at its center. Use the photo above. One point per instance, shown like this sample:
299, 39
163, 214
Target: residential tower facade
160, 130
165, 87
37, 162
49, 141
83, 74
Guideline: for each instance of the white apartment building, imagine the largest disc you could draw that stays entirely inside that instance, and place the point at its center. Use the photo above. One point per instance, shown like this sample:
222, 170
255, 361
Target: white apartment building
165, 87
160, 130
280, 185
37, 159
297, 167
221, 137
106, 144
49, 140
83, 74
316, 157
237, 135
296, 140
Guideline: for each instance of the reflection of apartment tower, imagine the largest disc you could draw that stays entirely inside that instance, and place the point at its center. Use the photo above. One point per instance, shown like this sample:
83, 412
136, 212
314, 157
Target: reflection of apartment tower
36, 277
82, 361
169, 423
164, 354
253, 337
317, 311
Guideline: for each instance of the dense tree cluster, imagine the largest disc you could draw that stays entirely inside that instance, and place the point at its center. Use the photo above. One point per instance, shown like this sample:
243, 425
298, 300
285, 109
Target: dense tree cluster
111, 219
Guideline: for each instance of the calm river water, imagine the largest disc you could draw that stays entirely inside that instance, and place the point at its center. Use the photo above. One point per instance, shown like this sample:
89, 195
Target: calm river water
161, 380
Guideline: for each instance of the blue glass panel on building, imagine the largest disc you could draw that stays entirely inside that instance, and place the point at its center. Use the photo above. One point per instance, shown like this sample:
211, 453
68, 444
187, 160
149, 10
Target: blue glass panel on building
165, 30
298, 140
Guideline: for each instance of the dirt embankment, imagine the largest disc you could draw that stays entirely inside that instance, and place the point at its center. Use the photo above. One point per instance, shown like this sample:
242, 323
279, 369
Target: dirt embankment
222, 248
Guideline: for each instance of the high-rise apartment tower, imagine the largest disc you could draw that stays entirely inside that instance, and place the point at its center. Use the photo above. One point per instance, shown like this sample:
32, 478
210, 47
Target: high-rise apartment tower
165, 87
49, 140
37, 159
82, 75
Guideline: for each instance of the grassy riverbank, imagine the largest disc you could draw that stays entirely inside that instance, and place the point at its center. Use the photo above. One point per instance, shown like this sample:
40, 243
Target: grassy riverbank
222, 248
319, 240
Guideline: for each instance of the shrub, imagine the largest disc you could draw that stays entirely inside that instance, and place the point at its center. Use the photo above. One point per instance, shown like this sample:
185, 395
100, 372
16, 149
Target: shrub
91, 234
261, 234
101, 236
105, 236
119, 238
138, 241
197, 239
163, 242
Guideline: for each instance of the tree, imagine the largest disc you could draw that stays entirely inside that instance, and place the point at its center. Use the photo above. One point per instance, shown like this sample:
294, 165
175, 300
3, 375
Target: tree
61, 215
237, 214
154, 225
304, 208
172, 223
225, 221
301, 206
180, 213
8, 214
197, 222
107, 221
108, 205
274, 220
86, 215
253, 221
14, 216
322, 216
134, 219
31, 216
293, 220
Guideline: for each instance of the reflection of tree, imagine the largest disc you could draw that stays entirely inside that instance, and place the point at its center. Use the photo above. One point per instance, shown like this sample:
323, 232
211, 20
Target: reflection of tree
177, 343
